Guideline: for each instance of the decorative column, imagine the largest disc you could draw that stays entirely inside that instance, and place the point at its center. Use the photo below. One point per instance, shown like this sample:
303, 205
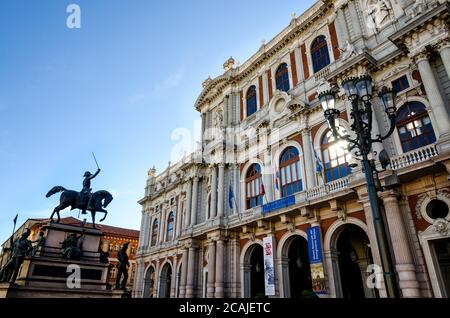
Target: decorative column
341, 26
187, 219
298, 58
157, 280
372, 238
213, 207
225, 111
173, 281
267, 177
211, 269
219, 269
179, 214
404, 262
220, 191
191, 272
355, 19
194, 202
443, 47
162, 224
433, 93
309, 159
235, 274
184, 268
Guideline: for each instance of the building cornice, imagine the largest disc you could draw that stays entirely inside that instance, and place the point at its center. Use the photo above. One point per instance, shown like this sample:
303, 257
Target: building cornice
266, 52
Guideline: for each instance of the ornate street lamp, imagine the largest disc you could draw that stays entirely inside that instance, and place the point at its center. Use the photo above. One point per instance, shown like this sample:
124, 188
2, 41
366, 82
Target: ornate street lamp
359, 91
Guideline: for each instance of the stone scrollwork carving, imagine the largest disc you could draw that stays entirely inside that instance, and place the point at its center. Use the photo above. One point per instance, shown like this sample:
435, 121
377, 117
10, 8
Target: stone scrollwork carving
441, 226
349, 50
426, 198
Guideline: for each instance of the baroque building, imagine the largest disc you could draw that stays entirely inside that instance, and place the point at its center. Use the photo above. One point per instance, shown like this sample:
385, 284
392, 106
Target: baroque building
237, 217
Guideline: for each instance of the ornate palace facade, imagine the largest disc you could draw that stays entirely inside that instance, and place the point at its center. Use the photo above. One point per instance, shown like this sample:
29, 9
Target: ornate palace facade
269, 169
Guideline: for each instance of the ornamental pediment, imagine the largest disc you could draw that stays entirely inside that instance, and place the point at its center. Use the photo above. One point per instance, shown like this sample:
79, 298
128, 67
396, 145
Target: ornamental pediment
212, 88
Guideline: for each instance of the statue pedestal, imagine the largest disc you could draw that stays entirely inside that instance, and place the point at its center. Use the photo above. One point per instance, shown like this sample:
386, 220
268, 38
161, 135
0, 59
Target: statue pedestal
49, 275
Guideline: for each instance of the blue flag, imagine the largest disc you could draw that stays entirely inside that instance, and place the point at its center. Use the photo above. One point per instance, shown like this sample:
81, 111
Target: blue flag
319, 166
230, 197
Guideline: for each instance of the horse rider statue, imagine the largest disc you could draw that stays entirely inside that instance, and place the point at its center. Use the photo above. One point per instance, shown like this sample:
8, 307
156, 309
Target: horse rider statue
85, 194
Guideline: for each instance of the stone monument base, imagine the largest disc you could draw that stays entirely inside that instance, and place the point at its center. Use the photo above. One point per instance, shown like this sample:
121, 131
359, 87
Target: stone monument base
48, 275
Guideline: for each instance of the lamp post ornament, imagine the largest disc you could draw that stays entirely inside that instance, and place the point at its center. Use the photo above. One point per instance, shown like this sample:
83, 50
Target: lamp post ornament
359, 92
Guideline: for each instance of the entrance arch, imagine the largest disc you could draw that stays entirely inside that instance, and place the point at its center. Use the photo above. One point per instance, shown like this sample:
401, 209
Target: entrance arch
165, 281
149, 282
350, 255
253, 271
295, 266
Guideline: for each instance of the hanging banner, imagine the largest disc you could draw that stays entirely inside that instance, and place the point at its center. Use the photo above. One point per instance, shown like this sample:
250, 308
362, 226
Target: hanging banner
316, 260
269, 268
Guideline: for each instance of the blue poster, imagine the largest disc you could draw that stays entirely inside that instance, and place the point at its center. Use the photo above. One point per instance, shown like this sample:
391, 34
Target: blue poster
314, 245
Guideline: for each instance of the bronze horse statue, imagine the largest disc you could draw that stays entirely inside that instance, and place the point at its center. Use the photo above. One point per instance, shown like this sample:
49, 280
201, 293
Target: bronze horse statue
100, 200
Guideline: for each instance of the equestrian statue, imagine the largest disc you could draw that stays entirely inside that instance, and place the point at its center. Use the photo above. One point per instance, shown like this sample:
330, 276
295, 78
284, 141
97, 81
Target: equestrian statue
84, 200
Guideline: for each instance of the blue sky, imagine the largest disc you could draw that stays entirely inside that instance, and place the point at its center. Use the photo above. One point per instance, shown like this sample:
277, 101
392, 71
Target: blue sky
119, 86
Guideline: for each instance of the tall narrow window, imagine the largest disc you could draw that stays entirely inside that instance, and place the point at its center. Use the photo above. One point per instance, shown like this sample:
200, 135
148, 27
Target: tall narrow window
251, 100
282, 78
319, 53
290, 173
170, 223
154, 233
335, 157
253, 190
414, 126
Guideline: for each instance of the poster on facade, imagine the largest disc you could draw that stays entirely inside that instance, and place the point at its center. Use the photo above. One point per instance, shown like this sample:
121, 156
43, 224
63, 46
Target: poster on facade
269, 268
316, 260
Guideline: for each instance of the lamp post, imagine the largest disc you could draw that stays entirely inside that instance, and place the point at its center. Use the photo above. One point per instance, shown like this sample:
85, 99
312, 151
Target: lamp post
359, 92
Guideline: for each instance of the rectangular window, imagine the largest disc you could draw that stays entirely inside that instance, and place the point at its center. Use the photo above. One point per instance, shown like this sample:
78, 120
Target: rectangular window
400, 84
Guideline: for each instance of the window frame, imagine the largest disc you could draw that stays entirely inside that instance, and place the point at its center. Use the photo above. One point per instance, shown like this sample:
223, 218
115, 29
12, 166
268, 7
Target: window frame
343, 170
155, 230
320, 53
170, 226
251, 95
294, 162
430, 136
400, 81
253, 181
282, 81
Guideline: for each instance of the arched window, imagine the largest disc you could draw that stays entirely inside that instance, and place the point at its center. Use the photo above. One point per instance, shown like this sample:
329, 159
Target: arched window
251, 100
170, 222
319, 53
253, 190
154, 232
335, 157
282, 78
290, 173
414, 126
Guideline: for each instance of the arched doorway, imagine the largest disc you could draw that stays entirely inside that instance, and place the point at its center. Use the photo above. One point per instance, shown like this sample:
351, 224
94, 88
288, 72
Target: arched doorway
165, 281
299, 268
253, 268
149, 283
353, 258
296, 269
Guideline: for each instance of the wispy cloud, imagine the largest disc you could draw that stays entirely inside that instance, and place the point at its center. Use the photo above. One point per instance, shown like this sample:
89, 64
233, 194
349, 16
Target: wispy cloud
173, 80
